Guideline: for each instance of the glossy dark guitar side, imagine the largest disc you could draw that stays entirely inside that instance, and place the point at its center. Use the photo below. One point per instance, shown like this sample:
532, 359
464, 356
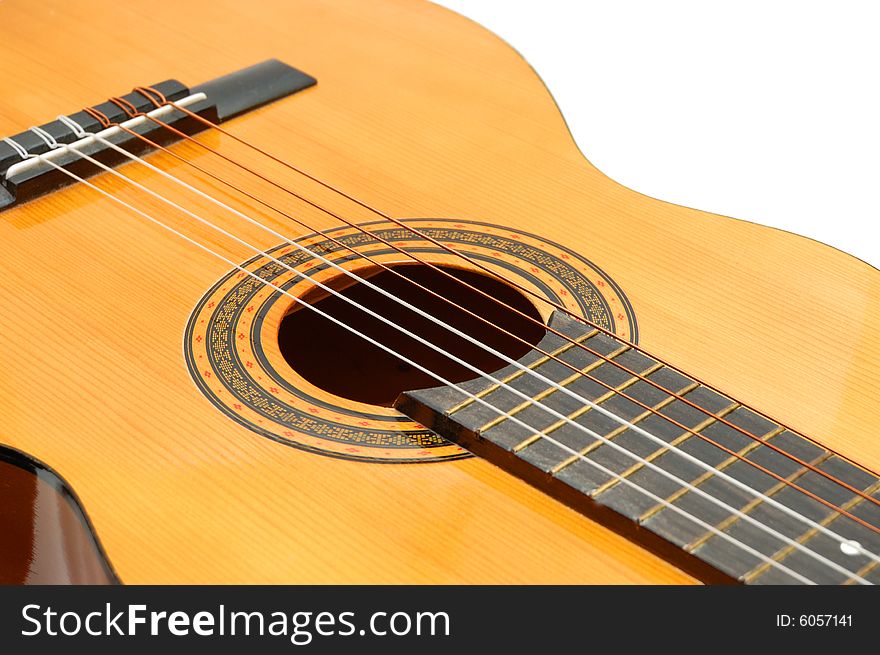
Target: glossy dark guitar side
45, 536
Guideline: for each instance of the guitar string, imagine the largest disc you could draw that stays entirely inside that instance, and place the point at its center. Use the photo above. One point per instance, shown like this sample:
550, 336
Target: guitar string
132, 112
53, 144
146, 92
439, 378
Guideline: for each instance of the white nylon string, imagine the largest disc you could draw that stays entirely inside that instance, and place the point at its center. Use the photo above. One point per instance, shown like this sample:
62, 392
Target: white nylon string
17, 147
477, 371
45, 136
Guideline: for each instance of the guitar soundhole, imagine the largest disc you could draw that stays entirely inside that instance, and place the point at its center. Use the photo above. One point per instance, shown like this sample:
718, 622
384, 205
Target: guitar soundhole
344, 364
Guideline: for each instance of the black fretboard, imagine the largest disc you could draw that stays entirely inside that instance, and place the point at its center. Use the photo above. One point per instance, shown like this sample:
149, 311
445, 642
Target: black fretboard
655, 505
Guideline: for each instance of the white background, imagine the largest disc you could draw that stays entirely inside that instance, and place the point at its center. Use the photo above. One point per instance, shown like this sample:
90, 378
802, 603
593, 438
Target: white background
767, 111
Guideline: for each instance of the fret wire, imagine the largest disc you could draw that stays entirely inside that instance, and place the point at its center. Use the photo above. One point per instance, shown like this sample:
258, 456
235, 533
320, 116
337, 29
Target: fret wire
853, 502
537, 436
614, 433
677, 395
584, 372
752, 504
538, 362
742, 452
691, 432
870, 566
758, 570
587, 449
772, 490
828, 520
611, 393
862, 572
865, 570
711, 418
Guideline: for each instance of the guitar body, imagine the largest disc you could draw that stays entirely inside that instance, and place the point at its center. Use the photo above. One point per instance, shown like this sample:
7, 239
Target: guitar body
426, 115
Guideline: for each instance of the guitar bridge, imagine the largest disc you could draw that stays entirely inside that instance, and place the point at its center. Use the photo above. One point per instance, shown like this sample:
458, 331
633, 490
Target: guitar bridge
24, 176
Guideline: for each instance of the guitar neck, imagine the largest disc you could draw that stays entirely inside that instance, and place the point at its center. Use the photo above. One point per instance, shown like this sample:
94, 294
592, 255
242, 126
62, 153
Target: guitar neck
664, 459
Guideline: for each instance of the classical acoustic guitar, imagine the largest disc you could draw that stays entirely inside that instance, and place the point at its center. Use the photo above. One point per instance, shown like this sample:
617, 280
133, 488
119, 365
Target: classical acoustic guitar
319, 292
